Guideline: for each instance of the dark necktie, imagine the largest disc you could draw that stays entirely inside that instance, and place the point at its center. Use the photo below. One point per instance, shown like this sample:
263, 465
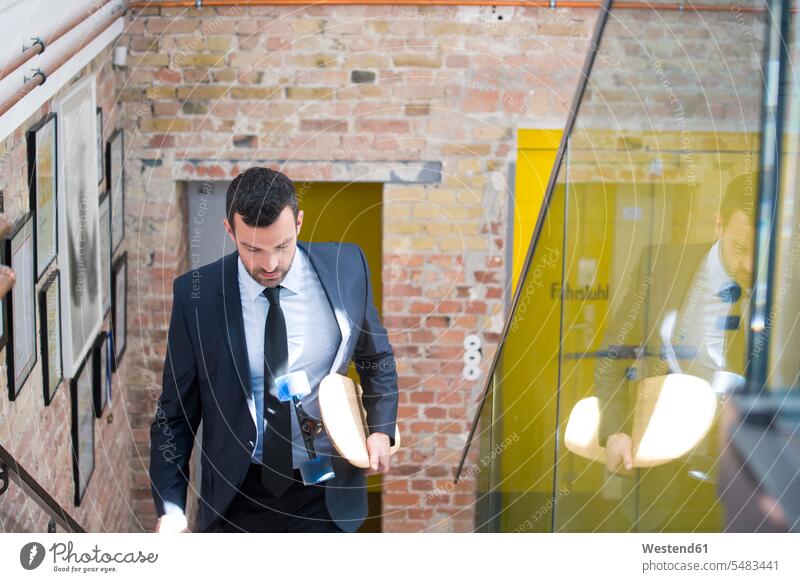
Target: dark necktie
735, 345
276, 474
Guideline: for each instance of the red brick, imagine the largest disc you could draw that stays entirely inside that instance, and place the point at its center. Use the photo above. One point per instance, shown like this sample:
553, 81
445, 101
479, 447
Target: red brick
382, 126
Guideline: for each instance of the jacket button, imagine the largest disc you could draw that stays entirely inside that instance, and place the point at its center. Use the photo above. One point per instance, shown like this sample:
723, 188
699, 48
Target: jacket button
250, 443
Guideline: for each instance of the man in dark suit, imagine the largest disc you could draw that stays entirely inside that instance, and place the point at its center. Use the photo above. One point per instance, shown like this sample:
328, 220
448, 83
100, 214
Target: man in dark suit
684, 312
675, 316
276, 305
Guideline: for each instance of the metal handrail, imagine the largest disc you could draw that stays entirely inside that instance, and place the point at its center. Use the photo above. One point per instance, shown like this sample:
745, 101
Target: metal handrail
11, 470
562, 148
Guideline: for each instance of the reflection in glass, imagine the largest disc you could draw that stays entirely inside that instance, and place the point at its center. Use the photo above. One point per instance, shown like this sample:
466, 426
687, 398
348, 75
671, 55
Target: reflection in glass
785, 316
628, 331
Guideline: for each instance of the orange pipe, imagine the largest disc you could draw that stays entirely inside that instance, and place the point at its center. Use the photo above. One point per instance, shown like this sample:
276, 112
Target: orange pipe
686, 7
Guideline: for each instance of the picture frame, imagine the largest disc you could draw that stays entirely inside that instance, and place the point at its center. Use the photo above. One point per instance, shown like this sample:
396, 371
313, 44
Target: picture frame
100, 153
50, 335
20, 311
115, 170
111, 364
105, 249
43, 186
78, 224
82, 427
110, 367
119, 311
101, 374
3, 305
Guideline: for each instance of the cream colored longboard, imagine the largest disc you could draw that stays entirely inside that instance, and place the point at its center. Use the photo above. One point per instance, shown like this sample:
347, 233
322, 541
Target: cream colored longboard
345, 421
672, 415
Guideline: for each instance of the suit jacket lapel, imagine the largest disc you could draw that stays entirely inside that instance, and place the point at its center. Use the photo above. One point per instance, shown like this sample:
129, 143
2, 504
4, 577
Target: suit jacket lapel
232, 321
331, 284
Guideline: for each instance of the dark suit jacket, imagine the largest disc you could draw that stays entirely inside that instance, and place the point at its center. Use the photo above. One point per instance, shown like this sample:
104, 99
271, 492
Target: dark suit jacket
207, 377
658, 285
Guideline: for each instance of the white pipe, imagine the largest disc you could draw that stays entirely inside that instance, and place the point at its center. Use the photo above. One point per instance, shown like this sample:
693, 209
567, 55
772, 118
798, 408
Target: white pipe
57, 51
36, 98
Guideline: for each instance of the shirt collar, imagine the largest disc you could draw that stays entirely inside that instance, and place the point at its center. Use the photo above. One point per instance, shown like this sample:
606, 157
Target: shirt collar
292, 282
718, 277
294, 277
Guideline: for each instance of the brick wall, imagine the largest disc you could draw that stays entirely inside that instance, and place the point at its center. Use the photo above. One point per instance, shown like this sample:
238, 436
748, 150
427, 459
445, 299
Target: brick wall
39, 437
340, 93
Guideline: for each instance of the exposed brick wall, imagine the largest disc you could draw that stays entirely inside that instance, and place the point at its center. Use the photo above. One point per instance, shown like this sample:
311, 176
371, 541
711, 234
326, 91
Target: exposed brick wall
39, 437
337, 92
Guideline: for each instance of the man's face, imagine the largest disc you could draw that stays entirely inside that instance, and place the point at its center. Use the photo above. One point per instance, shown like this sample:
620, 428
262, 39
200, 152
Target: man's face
267, 252
737, 247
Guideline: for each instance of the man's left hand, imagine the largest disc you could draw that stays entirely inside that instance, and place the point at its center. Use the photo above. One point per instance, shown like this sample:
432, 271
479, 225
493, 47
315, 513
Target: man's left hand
378, 449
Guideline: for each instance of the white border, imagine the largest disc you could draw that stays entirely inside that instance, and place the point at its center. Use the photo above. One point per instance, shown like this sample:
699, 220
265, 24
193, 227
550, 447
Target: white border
71, 362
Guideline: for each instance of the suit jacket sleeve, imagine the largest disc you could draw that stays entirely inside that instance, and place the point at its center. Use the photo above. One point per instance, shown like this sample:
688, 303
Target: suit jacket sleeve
178, 415
375, 364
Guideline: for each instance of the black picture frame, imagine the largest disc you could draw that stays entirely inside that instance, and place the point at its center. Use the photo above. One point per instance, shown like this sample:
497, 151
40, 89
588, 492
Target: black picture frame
101, 374
83, 437
119, 310
115, 170
104, 218
50, 335
45, 211
110, 367
3, 304
22, 299
100, 150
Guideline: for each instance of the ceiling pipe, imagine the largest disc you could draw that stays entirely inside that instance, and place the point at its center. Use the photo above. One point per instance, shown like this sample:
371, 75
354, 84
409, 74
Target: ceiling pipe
672, 7
40, 44
39, 76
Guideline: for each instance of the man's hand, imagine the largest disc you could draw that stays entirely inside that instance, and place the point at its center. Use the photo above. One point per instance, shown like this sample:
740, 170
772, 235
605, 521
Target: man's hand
619, 453
172, 523
378, 449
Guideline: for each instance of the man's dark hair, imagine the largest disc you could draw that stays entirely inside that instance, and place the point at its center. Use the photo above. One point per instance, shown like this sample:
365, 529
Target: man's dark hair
739, 195
259, 195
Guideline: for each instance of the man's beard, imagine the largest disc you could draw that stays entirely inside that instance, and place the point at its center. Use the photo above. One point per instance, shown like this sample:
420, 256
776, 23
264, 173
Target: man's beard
260, 275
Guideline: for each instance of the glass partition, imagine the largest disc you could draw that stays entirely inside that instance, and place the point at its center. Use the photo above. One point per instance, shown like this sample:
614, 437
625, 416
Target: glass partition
785, 345
629, 327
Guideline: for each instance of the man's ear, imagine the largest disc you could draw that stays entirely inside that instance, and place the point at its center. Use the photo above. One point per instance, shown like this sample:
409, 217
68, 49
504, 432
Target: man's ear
718, 226
299, 221
229, 230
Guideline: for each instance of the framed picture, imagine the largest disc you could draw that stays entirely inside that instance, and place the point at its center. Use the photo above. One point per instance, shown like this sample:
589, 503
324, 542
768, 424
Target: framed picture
82, 426
3, 304
78, 224
43, 182
99, 144
115, 154
105, 249
119, 317
21, 306
110, 368
50, 335
101, 374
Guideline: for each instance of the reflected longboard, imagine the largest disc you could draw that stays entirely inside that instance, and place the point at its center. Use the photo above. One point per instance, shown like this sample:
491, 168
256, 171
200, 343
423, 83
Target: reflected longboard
345, 419
671, 416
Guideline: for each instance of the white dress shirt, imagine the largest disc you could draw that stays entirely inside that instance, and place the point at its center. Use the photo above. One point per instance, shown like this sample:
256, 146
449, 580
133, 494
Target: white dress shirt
695, 339
313, 336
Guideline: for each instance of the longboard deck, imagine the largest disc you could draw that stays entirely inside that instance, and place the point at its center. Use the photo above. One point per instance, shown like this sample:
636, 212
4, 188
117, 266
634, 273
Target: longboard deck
345, 419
